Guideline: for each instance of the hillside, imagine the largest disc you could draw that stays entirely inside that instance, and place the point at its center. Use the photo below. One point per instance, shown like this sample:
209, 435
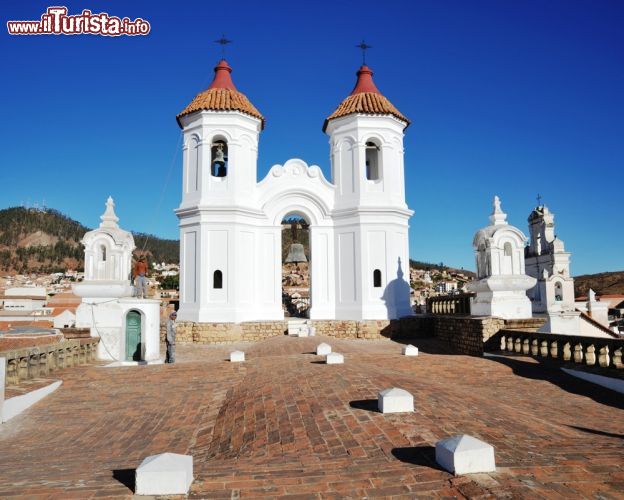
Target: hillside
601, 283
428, 266
33, 240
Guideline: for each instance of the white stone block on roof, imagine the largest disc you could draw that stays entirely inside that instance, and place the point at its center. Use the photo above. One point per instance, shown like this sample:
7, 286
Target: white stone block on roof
464, 454
164, 474
323, 349
395, 400
333, 358
237, 356
410, 350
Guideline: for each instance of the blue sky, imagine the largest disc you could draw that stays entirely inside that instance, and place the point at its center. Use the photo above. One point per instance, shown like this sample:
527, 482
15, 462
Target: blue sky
507, 98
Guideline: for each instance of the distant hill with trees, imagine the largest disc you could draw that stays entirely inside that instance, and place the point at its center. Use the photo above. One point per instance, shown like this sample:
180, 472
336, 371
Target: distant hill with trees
601, 283
45, 241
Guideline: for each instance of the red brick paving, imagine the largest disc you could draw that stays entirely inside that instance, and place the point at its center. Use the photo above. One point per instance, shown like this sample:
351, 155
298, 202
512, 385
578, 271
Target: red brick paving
283, 424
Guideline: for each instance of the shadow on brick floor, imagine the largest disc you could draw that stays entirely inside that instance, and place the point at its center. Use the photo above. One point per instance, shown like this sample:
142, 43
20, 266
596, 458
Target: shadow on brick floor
125, 477
597, 432
365, 404
550, 371
417, 455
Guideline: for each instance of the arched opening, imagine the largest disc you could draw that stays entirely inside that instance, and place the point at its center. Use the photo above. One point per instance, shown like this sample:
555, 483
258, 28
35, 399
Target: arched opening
558, 292
372, 161
377, 278
296, 276
482, 261
219, 158
100, 264
217, 279
133, 336
507, 258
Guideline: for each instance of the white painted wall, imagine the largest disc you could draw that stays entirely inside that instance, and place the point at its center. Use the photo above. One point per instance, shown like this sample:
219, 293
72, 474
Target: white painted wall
233, 224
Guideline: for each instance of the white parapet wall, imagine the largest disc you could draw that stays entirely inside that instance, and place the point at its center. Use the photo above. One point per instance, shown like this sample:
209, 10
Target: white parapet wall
17, 404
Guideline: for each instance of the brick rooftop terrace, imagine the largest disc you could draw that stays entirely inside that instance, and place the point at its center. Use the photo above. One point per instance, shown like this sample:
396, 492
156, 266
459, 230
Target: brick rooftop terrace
284, 424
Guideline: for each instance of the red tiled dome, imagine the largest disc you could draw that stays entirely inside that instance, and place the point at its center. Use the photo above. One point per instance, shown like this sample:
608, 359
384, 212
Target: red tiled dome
222, 95
366, 99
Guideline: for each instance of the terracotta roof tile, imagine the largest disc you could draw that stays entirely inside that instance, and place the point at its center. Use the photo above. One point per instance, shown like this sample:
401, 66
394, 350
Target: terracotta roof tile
222, 95
365, 99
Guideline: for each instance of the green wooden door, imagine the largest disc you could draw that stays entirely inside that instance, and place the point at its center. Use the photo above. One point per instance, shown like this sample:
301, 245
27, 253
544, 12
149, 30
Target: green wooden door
133, 336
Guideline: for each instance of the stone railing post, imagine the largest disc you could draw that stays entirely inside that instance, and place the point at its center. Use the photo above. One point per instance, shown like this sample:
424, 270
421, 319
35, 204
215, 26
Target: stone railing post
578, 353
43, 364
12, 377
603, 356
544, 349
567, 352
590, 356
518, 345
69, 357
554, 349
503, 343
617, 358
33, 368
534, 348
526, 349
510, 344
60, 358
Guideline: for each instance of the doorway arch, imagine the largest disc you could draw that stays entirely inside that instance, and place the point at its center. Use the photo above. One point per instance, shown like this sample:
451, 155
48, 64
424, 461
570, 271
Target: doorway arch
134, 324
295, 265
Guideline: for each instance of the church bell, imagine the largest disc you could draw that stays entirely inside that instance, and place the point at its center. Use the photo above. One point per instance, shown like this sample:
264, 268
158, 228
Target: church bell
219, 162
296, 253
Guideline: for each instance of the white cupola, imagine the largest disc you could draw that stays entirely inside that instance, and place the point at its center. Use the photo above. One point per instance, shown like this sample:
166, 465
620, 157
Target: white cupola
108, 258
501, 283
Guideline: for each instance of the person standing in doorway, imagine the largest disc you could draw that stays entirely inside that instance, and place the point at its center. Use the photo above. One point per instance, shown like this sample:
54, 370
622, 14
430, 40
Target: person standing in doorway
170, 338
140, 283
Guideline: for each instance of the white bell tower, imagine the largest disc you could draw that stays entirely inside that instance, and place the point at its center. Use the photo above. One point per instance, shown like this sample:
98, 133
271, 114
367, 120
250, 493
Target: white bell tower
549, 263
221, 129
370, 215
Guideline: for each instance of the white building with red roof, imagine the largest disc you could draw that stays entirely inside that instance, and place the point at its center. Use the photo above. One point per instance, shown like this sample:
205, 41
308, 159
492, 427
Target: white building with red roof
230, 224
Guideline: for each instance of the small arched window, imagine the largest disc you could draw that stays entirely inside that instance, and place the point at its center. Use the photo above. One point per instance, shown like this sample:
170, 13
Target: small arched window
558, 292
219, 158
103, 253
507, 259
372, 161
377, 278
217, 279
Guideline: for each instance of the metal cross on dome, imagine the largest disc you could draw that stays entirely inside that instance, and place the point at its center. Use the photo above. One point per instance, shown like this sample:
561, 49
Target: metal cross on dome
223, 42
539, 200
362, 45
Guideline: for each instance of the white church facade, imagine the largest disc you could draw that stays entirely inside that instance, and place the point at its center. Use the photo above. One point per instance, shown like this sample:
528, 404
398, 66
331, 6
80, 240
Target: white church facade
230, 224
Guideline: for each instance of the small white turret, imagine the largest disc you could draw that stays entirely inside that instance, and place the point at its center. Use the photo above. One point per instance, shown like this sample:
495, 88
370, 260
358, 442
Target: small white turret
108, 257
501, 283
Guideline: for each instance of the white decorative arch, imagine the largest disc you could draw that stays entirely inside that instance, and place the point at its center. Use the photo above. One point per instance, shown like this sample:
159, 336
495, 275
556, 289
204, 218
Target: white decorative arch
293, 187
